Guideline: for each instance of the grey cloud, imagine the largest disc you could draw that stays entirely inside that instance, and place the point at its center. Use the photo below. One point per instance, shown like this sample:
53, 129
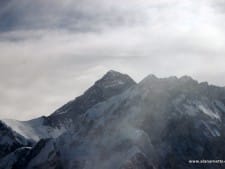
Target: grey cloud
219, 5
46, 60
76, 15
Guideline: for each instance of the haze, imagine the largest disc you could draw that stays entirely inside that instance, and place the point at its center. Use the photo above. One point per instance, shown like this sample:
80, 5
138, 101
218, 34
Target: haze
52, 50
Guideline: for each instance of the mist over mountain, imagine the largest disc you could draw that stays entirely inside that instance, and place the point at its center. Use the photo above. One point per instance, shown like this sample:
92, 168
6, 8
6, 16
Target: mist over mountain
158, 123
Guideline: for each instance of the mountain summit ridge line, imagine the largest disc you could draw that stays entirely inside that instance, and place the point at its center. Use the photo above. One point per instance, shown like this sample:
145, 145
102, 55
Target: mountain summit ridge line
158, 123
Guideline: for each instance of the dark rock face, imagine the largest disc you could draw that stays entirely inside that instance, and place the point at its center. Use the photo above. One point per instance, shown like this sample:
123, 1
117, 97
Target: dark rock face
10, 140
14, 159
50, 158
26, 157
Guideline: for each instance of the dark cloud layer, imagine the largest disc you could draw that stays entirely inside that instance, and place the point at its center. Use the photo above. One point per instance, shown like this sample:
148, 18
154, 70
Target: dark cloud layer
52, 50
78, 15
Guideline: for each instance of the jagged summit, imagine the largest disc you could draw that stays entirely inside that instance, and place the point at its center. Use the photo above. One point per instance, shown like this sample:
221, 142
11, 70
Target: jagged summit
112, 72
160, 123
111, 84
113, 78
148, 79
151, 79
187, 78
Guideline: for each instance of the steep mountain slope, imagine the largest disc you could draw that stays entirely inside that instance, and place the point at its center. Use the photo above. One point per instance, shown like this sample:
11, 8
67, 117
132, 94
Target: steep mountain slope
34, 129
10, 140
112, 83
159, 123
156, 124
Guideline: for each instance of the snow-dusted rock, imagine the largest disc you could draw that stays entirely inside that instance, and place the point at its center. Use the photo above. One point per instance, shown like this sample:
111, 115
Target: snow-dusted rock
160, 123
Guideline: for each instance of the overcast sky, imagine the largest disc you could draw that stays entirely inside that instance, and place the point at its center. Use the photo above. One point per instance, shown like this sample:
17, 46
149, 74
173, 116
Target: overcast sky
52, 50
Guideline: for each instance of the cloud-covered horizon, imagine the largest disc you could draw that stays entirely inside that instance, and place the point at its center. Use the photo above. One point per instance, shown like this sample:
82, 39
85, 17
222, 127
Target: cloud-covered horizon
53, 50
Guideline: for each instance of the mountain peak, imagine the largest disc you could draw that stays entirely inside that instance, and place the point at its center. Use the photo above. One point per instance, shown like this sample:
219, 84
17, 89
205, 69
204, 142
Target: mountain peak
149, 79
111, 84
152, 77
153, 81
186, 78
113, 78
113, 72
131, 129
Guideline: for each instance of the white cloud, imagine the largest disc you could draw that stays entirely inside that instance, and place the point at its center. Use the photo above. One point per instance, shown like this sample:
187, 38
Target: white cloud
44, 65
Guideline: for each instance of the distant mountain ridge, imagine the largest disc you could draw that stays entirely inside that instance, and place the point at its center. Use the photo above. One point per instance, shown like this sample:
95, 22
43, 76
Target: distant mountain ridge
159, 123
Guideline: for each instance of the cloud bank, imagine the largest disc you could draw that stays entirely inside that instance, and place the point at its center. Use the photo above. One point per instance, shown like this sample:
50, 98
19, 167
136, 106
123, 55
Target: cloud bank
52, 50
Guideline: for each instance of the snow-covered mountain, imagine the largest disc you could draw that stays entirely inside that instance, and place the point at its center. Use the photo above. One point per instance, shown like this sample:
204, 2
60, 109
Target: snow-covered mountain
159, 123
112, 83
35, 129
16, 134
